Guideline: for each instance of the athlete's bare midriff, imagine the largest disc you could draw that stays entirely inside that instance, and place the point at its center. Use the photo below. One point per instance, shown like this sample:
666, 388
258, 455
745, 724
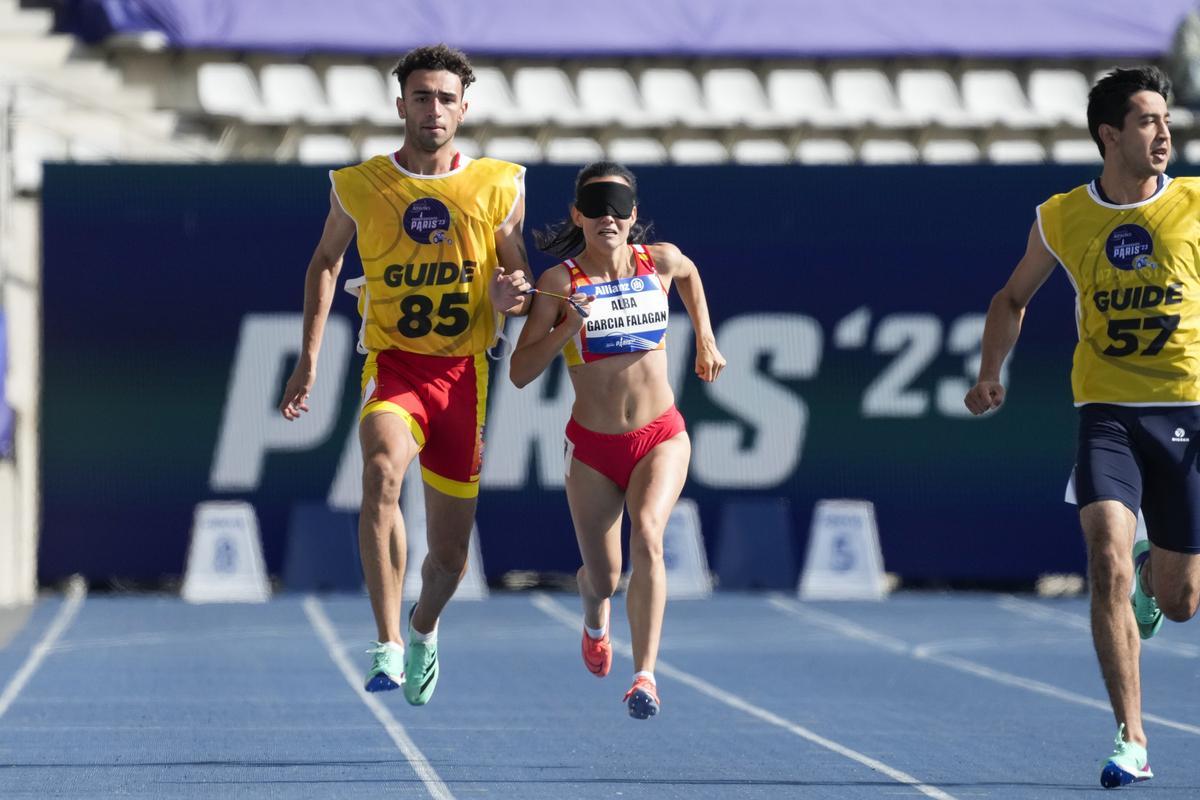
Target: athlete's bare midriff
621, 393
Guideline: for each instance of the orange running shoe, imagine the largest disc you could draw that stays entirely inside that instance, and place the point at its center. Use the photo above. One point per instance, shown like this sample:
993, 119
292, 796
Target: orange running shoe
597, 654
642, 699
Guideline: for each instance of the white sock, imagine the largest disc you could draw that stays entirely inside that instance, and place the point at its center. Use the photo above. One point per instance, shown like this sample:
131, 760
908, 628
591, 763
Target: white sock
596, 633
394, 646
645, 674
423, 638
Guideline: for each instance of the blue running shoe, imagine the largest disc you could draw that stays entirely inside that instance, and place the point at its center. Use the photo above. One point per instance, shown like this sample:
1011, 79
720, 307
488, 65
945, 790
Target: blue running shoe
1128, 764
1145, 608
387, 667
642, 699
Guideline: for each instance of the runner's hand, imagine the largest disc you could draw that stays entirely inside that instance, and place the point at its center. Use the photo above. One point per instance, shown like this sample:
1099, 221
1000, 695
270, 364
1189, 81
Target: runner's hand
984, 396
507, 290
709, 361
295, 394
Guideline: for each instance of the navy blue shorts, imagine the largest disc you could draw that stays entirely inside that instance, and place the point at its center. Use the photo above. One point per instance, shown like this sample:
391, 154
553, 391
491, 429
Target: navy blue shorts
1144, 457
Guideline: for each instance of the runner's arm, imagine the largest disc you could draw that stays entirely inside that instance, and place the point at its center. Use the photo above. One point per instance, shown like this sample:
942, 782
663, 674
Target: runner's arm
674, 264
510, 280
541, 340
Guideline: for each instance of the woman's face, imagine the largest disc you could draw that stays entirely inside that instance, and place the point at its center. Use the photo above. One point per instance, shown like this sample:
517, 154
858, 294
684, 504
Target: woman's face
608, 231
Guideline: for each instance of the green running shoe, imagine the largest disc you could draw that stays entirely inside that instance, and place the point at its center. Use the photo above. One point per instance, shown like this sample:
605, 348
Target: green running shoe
1145, 608
1128, 764
420, 668
387, 667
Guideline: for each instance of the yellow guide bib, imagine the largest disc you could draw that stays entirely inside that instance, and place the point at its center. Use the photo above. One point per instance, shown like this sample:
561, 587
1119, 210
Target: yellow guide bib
1136, 273
428, 250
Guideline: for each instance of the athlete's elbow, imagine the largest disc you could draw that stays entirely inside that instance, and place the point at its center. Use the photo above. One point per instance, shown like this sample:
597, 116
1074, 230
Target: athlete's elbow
519, 376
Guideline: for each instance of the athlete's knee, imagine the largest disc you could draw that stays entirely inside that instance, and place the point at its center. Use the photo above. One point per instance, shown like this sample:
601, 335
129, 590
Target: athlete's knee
381, 478
645, 544
1180, 603
449, 555
603, 583
1109, 570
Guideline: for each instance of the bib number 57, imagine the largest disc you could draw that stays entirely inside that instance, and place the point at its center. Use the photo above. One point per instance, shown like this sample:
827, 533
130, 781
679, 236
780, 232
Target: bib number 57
1125, 340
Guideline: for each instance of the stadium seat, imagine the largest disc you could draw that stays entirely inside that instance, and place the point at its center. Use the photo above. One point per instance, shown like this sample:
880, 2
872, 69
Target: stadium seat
734, 96
825, 151
489, 100
573, 150
887, 151
372, 146
230, 90
1075, 151
950, 151
698, 151
292, 92
608, 95
360, 92
544, 94
800, 95
1016, 151
325, 148
760, 151
32, 146
672, 95
1191, 151
634, 150
865, 95
994, 96
930, 95
520, 149
1060, 95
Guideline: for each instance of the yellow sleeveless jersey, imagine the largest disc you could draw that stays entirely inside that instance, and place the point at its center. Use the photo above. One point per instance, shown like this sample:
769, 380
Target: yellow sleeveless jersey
1136, 273
428, 250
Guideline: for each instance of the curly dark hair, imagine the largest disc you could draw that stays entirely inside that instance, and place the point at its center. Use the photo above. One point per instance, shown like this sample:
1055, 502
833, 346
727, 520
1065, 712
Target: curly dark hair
435, 57
1108, 102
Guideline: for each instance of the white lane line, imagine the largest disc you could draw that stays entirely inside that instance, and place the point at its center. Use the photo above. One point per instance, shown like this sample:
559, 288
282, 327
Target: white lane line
1025, 608
929, 653
555, 610
76, 592
324, 628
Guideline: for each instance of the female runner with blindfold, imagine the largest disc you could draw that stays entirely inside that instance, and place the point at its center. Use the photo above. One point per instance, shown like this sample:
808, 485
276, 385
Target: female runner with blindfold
605, 308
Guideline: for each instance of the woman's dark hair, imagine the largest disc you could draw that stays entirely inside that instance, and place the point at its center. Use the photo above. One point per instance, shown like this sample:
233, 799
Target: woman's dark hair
1108, 102
564, 239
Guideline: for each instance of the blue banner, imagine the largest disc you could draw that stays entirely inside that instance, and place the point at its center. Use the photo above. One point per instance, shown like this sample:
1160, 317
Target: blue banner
848, 301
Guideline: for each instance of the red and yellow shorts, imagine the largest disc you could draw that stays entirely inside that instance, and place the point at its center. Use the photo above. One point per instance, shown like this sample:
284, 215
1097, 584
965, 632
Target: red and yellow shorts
614, 455
444, 400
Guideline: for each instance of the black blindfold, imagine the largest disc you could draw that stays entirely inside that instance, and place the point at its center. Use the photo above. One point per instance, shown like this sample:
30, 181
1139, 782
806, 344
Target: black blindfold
605, 198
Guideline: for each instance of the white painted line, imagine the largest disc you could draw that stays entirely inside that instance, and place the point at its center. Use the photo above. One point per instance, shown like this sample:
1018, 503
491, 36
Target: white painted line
1025, 608
930, 654
76, 592
324, 628
554, 609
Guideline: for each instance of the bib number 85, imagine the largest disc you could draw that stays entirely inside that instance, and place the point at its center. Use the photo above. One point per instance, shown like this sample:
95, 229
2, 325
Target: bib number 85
1125, 341
416, 312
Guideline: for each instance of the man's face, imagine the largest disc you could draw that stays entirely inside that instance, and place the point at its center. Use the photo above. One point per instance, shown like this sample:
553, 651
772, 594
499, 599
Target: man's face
432, 108
1143, 144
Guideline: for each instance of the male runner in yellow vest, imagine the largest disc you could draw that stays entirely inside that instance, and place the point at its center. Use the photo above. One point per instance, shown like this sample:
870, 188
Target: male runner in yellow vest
440, 236
1130, 244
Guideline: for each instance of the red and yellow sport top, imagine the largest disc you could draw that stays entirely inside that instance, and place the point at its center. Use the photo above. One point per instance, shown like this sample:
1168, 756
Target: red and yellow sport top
628, 315
428, 249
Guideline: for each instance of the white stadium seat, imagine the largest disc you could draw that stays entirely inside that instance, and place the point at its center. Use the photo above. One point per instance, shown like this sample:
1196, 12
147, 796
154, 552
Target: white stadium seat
1191, 152
360, 92
994, 96
489, 100
608, 95
1016, 151
760, 151
230, 90
544, 94
325, 148
372, 146
825, 151
950, 151
887, 151
672, 95
734, 96
519, 149
1060, 95
698, 151
930, 95
866, 95
292, 91
800, 95
573, 150
1075, 151
637, 150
